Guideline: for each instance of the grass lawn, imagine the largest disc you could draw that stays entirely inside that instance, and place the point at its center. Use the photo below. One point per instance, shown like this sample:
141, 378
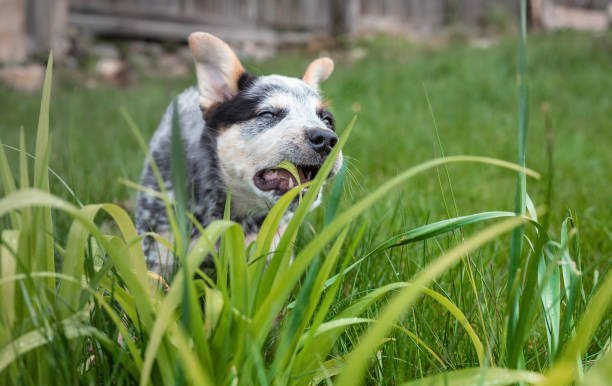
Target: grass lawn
473, 96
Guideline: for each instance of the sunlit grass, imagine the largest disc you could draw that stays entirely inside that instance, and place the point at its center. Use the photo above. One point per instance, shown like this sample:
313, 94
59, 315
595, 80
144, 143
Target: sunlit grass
348, 296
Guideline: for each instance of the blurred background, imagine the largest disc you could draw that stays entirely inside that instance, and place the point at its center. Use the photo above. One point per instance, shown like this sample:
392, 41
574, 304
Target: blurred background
423, 76
256, 28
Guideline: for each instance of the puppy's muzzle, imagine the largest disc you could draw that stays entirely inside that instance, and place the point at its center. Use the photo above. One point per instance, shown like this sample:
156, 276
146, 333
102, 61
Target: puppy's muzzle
322, 141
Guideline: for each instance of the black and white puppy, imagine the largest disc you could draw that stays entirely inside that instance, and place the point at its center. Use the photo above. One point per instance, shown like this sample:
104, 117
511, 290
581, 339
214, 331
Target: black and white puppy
236, 129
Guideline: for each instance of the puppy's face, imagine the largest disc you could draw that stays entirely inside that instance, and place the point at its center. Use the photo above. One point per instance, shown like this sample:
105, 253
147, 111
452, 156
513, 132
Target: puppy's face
260, 122
279, 119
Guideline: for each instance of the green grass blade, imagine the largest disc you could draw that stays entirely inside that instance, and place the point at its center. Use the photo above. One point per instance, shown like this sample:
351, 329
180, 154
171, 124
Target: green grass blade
516, 244
168, 203
74, 259
572, 277
6, 175
8, 267
420, 342
41, 164
338, 324
281, 256
45, 259
565, 368
442, 154
24, 171
308, 299
491, 376
281, 288
72, 327
438, 228
335, 194
422, 233
178, 166
7, 280
192, 318
24, 174
292, 169
134, 277
204, 245
239, 284
258, 261
238, 269
601, 373
461, 318
8, 183
357, 360
550, 284
309, 356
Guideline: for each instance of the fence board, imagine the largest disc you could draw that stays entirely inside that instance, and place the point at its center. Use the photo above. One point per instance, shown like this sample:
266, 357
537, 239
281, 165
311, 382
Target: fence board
278, 17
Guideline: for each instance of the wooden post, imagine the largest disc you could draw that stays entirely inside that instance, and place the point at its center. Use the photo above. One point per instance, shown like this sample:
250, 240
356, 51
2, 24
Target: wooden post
342, 17
426, 16
12, 31
47, 26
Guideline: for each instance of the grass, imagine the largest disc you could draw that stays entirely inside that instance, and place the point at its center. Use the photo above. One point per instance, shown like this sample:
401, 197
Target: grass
439, 291
473, 95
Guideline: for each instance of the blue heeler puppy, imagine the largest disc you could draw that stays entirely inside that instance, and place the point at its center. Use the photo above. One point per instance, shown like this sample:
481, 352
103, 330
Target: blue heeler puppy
236, 129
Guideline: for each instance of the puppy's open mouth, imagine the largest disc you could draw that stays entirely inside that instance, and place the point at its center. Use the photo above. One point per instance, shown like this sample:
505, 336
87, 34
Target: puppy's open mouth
281, 181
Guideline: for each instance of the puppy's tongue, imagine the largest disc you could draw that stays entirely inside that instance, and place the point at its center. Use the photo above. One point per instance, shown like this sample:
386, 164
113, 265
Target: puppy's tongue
275, 179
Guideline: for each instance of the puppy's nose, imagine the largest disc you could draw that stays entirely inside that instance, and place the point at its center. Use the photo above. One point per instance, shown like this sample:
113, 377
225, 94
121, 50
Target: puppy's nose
321, 140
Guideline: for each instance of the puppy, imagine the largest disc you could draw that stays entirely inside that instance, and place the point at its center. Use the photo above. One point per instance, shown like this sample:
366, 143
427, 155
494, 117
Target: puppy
236, 128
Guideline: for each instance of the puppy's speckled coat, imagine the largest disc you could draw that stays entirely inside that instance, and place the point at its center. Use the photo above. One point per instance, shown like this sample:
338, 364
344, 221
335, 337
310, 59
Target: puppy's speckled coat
236, 129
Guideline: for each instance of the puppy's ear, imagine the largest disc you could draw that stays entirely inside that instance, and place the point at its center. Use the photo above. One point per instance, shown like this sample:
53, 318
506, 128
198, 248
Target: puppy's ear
317, 71
217, 68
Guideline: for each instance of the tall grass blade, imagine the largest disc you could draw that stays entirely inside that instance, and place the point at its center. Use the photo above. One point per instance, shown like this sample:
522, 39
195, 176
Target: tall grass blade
281, 257
271, 305
178, 165
166, 311
8, 267
71, 328
8, 184
45, 259
550, 282
307, 300
335, 194
357, 360
601, 373
309, 356
572, 277
132, 270
565, 368
491, 376
521, 192
422, 233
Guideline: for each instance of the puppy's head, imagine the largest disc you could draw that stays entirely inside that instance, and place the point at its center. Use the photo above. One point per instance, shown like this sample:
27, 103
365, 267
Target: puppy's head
260, 121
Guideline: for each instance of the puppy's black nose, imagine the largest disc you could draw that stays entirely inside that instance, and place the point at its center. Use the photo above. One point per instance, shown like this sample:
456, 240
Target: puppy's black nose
321, 140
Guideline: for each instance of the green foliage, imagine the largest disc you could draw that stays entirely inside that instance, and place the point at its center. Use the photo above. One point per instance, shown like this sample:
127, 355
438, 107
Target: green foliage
292, 311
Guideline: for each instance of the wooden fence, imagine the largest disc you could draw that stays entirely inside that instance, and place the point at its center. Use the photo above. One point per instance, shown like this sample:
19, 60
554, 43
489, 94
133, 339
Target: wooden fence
272, 21
279, 20
264, 21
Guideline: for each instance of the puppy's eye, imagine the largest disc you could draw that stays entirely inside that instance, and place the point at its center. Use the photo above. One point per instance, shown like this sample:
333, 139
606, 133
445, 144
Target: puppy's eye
328, 121
267, 114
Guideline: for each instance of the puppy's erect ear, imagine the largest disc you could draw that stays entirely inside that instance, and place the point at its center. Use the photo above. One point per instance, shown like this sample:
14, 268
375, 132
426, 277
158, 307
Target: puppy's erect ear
217, 68
317, 71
